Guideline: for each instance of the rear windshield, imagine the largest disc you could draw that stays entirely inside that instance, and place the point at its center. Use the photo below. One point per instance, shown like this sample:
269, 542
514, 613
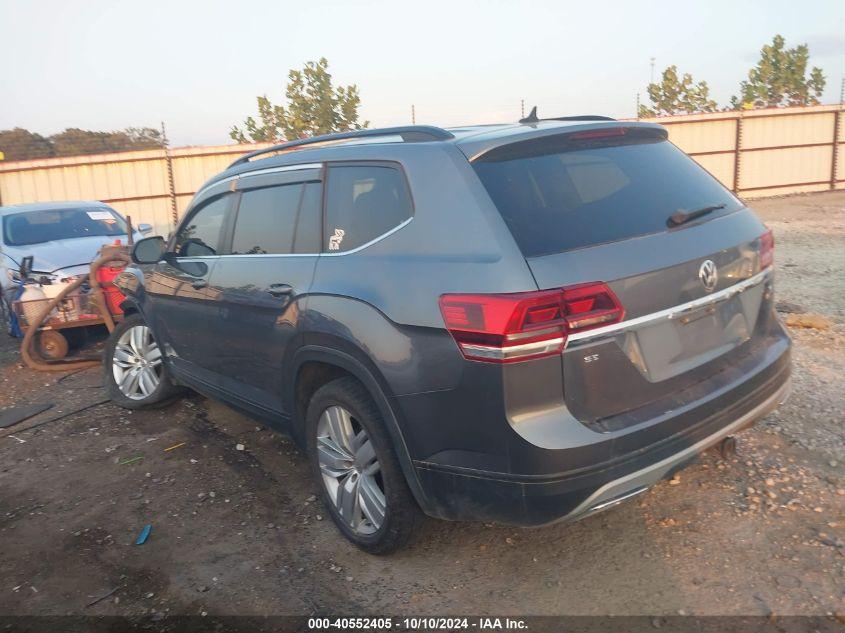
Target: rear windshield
35, 227
555, 198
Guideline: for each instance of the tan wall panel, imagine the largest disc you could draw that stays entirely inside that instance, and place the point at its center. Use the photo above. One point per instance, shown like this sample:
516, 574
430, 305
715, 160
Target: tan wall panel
190, 172
720, 165
782, 191
784, 166
150, 211
703, 136
143, 174
182, 202
762, 131
840, 160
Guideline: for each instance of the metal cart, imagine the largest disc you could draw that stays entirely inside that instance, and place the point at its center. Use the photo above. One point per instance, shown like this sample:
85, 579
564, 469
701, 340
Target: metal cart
64, 328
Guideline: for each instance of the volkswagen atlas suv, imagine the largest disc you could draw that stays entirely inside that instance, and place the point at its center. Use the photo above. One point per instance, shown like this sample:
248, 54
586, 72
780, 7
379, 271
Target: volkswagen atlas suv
518, 323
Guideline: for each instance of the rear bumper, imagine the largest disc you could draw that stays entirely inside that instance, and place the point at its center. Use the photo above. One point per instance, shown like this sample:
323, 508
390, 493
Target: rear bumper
465, 493
630, 485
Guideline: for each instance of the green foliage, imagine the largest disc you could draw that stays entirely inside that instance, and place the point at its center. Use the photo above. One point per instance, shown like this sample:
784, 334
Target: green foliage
74, 141
21, 144
674, 95
780, 79
314, 107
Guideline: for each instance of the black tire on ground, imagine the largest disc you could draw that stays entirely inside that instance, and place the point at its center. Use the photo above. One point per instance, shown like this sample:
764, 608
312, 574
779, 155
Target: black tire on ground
163, 393
402, 515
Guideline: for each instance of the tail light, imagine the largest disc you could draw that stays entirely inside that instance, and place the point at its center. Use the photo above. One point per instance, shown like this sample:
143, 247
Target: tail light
504, 328
767, 249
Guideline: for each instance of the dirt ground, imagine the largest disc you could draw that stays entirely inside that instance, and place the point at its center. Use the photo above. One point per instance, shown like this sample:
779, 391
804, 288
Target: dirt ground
239, 531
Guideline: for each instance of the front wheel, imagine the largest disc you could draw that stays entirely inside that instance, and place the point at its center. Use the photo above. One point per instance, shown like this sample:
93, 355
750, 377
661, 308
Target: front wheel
358, 473
135, 374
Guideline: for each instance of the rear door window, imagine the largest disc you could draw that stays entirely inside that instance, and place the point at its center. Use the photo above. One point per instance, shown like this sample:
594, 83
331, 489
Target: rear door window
309, 224
363, 203
555, 199
266, 220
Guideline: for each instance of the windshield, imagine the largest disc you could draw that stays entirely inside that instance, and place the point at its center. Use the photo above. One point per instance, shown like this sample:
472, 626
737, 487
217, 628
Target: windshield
35, 227
555, 199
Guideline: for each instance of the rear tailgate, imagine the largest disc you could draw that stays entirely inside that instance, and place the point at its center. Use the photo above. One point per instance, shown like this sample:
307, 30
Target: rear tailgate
675, 333
597, 209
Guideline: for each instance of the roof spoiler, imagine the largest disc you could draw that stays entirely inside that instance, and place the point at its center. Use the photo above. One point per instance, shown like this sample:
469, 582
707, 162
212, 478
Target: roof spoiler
532, 117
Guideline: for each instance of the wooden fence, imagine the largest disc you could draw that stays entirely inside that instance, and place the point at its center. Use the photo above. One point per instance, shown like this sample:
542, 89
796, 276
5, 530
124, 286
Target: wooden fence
755, 153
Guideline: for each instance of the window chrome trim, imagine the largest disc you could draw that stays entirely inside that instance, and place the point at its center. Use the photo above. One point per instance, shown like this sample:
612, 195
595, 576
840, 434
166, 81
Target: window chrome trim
273, 170
349, 252
372, 241
671, 313
271, 255
257, 172
206, 188
302, 166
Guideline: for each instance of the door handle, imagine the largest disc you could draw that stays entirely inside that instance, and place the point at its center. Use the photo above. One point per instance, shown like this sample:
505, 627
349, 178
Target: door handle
280, 290
199, 283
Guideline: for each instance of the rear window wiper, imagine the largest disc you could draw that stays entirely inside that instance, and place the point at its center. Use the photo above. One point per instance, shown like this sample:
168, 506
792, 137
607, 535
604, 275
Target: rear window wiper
682, 217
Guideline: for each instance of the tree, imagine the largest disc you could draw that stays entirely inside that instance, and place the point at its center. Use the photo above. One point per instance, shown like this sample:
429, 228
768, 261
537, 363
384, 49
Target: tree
677, 96
21, 144
74, 141
780, 78
314, 107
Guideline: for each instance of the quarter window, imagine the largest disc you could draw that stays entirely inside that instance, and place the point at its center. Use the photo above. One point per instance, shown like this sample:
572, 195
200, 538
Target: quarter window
363, 203
200, 235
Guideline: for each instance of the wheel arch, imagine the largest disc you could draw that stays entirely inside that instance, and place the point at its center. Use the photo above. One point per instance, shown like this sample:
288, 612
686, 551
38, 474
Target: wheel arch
340, 363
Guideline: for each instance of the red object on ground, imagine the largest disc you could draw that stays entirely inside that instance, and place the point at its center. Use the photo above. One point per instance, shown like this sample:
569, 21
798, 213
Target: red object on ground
106, 275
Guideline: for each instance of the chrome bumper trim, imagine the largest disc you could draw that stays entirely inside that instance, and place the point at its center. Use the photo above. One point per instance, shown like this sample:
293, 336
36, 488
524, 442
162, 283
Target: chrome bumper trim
671, 313
638, 481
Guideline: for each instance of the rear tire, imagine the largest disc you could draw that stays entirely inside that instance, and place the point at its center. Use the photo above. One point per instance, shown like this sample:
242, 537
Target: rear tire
135, 374
356, 469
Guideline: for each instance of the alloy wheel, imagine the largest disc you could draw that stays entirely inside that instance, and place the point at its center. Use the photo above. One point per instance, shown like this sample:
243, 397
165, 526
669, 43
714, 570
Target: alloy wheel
137, 363
351, 472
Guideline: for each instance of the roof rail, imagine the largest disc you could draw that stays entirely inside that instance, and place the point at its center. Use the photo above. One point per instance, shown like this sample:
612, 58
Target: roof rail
532, 117
409, 134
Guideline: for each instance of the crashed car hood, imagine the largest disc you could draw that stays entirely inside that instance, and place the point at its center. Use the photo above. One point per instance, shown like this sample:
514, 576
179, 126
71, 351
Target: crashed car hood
62, 255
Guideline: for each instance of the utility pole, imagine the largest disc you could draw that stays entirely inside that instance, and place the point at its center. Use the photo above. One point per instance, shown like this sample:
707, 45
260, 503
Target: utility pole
638, 106
522, 107
842, 92
651, 59
174, 214
413, 115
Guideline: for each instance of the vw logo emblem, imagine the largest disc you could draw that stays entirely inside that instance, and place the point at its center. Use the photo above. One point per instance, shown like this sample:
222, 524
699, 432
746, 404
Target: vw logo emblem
708, 275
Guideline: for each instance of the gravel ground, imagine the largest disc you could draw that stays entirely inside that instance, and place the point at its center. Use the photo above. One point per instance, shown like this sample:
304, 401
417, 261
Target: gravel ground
239, 531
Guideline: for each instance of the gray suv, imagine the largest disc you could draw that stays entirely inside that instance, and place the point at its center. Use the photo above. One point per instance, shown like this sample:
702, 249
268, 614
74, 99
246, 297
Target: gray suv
515, 323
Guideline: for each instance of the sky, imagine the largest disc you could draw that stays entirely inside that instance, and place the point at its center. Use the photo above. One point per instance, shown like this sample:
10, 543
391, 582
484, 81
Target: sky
199, 65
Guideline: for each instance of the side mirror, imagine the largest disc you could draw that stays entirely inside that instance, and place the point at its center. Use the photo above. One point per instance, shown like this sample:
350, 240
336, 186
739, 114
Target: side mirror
149, 250
145, 228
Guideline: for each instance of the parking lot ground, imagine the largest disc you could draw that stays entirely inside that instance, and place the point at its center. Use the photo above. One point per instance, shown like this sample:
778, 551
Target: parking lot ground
239, 531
